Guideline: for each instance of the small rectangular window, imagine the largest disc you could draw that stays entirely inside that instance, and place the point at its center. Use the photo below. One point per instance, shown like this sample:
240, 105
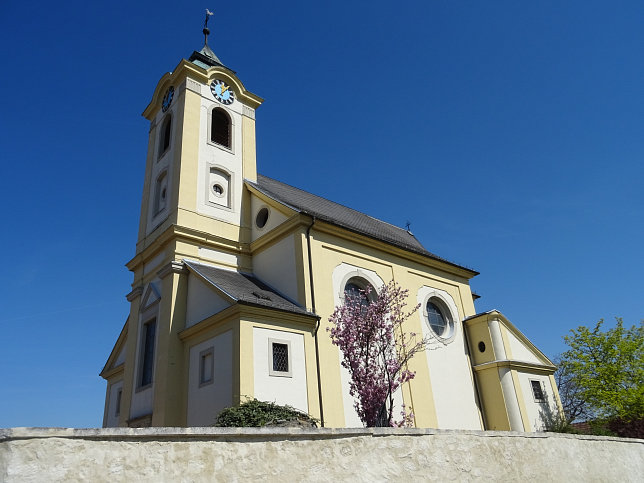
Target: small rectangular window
147, 354
117, 411
206, 367
279, 358
537, 391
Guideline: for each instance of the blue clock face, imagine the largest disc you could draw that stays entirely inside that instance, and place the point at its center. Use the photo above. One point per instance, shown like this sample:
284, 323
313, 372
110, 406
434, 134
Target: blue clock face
222, 92
167, 99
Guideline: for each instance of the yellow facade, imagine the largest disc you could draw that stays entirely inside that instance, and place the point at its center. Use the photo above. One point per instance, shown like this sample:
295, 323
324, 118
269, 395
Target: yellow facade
310, 251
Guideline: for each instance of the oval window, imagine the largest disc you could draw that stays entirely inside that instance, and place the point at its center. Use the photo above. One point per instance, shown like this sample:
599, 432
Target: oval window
261, 218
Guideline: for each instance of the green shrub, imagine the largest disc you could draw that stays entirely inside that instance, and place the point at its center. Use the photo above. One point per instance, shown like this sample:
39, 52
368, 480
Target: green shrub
254, 413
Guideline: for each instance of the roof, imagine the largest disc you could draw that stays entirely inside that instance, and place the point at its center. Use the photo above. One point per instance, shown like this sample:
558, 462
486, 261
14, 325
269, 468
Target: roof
246, 289
337, 214
205, 58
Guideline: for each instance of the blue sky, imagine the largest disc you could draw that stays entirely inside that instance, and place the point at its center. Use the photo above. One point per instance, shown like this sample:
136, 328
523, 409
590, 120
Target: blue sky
509, 134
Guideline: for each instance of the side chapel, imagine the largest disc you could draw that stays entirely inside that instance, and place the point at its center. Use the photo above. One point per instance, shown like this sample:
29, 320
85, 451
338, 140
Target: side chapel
236, 275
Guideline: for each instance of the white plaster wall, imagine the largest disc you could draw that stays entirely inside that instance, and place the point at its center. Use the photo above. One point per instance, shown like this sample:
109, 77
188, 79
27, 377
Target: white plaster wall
207, 401
202, 302
449, 368
280, 389
537, 411
275, 218
111, 418
324, 455
519, 351
341, 275
276, 266
214, 156
218, 256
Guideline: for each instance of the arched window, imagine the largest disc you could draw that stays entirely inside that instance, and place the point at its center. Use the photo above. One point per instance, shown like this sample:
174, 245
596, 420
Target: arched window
359, 287
220, 127
166, 132
161, 192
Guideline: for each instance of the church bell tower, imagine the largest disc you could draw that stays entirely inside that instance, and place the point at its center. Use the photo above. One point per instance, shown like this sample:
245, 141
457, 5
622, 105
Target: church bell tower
201, 148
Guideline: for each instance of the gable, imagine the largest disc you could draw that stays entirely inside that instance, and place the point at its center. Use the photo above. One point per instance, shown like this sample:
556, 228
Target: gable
151, 296
203, 300
277, 215
520, 347
117, 356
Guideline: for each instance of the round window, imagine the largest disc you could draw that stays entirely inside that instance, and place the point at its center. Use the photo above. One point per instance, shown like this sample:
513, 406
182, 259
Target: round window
439, 320
261, 218
218, 189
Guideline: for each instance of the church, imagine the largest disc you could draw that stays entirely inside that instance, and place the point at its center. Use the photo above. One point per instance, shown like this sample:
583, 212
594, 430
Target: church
235, 276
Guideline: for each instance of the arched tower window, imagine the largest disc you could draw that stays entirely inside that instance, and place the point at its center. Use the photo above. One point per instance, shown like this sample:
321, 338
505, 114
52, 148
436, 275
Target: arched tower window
166, 131
220, 127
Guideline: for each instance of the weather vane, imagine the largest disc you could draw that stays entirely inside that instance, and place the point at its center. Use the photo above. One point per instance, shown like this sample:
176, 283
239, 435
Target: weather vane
206, 30
408, 225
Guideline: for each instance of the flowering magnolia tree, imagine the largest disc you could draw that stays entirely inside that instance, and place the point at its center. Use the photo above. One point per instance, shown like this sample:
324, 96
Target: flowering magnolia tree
376, 350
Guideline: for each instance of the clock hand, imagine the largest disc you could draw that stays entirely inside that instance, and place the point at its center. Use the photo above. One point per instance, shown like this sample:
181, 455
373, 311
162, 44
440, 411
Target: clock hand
224, 89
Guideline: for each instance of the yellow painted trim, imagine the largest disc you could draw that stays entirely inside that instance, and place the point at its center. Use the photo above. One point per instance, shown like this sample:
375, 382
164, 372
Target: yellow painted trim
523, 410
246, 363
249, 156
493, 400
555, 390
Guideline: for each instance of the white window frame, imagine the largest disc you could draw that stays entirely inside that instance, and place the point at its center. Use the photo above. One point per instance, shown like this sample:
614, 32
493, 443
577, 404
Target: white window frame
272, 372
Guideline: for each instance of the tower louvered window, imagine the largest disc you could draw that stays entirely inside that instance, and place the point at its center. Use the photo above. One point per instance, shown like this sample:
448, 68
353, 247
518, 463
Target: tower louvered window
220, 127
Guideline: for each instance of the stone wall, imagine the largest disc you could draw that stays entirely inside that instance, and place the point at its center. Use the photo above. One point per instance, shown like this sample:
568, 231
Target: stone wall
293, 454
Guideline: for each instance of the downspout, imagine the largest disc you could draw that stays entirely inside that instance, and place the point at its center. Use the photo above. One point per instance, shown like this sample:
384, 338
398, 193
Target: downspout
317, 326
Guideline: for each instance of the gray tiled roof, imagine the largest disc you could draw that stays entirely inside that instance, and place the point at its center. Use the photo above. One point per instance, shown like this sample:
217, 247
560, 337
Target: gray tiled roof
245, 289
340, 215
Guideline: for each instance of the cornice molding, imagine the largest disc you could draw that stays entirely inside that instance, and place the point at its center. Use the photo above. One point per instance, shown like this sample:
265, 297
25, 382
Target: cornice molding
134, 294
340, 232
517, 365
240, 311
182, 233
109, 373
187, 70
287, 228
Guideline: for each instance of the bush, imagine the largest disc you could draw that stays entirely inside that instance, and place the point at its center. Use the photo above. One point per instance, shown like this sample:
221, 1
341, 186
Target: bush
254, 413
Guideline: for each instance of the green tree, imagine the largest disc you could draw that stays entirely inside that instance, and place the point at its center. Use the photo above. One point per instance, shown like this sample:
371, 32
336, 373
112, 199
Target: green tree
606, 369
